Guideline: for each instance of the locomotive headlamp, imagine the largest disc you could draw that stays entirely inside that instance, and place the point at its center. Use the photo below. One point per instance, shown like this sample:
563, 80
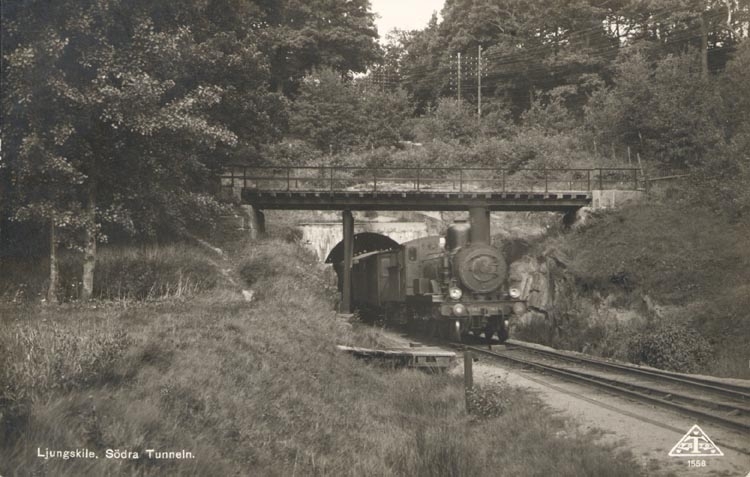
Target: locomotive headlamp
459, 309
455, 293
514, 292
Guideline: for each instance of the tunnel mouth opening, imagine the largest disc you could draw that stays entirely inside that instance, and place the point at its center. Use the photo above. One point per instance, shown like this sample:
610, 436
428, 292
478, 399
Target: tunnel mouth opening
364, 242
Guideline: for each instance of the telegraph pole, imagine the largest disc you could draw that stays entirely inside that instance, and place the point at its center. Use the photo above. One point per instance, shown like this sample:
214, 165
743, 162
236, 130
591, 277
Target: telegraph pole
479, 83
459, 76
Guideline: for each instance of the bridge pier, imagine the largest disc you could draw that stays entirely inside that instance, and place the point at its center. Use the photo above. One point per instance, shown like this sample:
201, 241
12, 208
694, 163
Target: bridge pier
257, 223
346, 298
569, 218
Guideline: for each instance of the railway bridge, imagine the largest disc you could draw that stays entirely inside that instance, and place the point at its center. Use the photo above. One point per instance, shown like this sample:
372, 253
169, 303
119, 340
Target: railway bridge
478, 190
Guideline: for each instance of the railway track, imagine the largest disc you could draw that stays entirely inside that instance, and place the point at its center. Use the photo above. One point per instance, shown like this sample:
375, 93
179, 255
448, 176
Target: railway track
730, 390
704, 399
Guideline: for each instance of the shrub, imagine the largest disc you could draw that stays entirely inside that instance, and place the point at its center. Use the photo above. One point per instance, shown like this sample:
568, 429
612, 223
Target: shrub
143, 273
487, 402
451, 121
277, 268
527, 148
122, 272
291, 234
670, 346
534, 328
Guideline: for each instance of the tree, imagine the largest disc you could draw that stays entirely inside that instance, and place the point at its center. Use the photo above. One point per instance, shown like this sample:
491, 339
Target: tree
720, 180
336, 114
119, 112
532, 48
303, 35
528, 47
424, 66
668, 112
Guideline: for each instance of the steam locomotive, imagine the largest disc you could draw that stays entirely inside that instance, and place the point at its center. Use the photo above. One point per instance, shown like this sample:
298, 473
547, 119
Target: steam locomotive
449, 286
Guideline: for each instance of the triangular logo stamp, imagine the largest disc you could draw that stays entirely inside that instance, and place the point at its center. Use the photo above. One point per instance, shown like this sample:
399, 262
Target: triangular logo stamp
695, 443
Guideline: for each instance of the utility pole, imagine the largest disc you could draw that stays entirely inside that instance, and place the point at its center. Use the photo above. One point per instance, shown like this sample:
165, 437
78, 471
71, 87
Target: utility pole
479, 83
704, 45
459, 76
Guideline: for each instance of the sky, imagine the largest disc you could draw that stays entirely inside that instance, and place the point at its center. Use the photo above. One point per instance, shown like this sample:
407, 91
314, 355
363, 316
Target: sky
404, 14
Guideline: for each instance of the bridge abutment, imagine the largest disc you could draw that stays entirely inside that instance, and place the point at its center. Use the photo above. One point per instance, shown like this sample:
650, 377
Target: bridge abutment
614, 198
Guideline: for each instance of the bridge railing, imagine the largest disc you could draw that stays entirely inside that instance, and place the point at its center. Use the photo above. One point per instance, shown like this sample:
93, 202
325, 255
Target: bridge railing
440, 179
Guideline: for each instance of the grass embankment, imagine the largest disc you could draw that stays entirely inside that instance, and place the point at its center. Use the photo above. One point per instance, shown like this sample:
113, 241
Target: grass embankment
685, 272
254, 389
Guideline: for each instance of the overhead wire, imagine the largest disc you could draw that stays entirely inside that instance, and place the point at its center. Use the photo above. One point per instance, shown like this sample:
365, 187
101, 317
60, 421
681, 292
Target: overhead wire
516, 57
592, 55
535, 61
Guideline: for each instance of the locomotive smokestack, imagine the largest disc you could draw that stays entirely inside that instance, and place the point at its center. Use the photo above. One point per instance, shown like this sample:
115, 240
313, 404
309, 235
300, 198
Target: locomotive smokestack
480, 225
457, 236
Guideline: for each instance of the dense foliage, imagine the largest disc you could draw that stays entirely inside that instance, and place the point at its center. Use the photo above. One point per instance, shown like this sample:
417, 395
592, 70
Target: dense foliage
335, 115
120, 114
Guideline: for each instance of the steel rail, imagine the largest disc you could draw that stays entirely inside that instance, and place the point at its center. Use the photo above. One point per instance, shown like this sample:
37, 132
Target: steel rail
726, 389
727, 407
616, 387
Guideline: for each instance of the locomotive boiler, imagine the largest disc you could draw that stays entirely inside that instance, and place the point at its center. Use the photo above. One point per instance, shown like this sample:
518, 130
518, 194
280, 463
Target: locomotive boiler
450, 285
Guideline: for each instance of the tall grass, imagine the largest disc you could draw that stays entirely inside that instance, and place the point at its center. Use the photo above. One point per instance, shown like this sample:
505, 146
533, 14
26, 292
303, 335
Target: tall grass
122, 273
154, 272
52, 357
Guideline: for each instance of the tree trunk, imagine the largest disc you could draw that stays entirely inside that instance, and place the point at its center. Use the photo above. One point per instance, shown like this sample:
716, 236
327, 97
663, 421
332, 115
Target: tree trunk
53, 268
89, 247
704, 47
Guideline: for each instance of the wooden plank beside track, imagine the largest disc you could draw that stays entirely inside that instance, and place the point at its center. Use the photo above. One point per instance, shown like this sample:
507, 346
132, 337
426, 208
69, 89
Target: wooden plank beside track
405, 357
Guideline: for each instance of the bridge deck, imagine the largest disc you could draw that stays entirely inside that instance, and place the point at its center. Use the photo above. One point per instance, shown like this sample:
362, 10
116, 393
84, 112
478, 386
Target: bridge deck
356, 188
422, 200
